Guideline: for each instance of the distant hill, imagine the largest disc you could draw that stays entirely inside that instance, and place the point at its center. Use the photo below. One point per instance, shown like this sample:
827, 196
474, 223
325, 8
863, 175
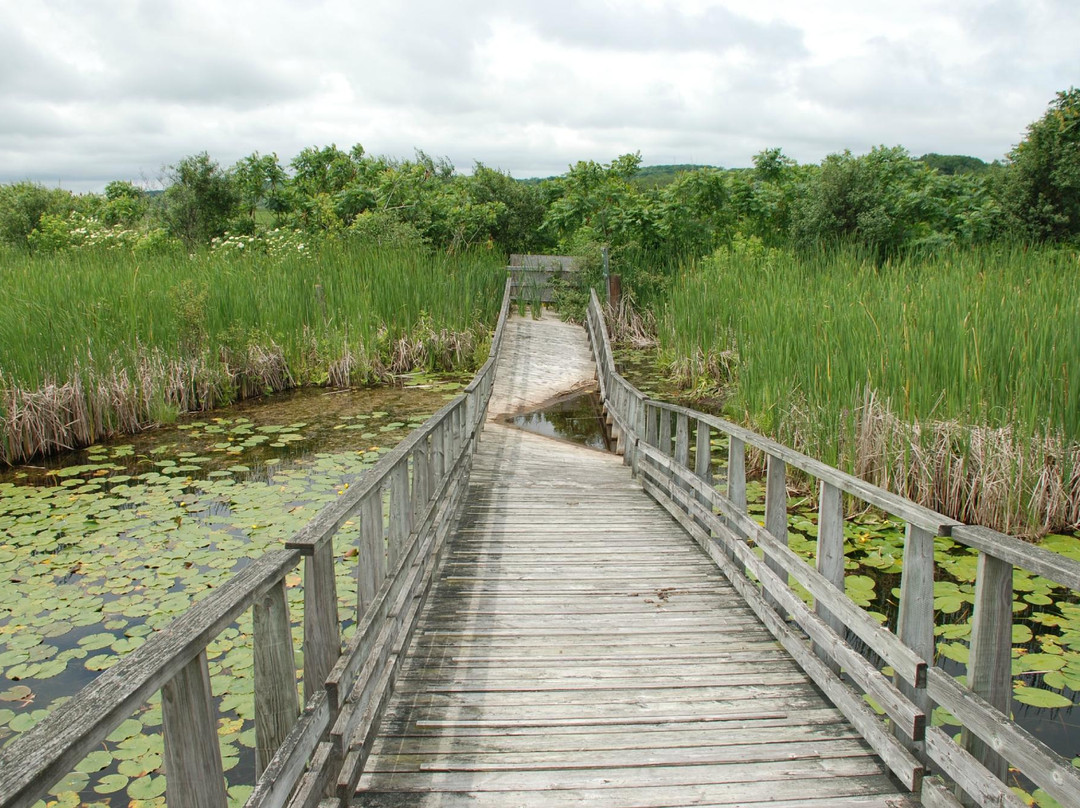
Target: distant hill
646, 177
956, 163
659, 176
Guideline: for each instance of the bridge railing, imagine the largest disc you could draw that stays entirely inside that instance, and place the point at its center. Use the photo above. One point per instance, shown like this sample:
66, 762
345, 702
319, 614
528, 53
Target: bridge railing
841, 647
404, 505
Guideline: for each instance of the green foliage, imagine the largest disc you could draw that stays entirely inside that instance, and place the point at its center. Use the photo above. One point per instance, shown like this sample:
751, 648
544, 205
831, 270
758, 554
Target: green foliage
983, 338
883, 200
191, 331
1042, 192
201, 200
22, 206
955, 163
259, 180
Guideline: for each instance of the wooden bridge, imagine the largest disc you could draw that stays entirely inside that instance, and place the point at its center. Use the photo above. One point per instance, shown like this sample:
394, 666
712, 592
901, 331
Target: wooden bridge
540, 624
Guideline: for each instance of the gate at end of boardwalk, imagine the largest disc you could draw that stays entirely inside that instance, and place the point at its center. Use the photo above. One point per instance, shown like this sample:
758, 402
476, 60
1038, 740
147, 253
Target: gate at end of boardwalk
531, 276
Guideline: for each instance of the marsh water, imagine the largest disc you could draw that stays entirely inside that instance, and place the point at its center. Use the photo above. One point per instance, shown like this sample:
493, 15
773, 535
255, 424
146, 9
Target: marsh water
100, 547
578, 418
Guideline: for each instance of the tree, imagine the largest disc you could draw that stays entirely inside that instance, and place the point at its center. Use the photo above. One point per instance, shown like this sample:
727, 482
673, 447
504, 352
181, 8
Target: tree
201, 200
124, 203
22, 206
1042, 190
884, 200
259, 179
598, 198
519, 211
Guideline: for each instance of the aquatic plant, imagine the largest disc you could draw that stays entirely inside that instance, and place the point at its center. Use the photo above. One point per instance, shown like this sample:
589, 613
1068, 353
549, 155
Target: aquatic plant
95, 342
950, 380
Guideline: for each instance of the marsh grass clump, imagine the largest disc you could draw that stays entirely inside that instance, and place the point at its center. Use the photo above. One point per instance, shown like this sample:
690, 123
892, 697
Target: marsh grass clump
95, 343
949, 379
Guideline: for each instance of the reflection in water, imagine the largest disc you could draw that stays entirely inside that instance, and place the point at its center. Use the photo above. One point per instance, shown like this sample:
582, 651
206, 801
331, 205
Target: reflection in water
578, 418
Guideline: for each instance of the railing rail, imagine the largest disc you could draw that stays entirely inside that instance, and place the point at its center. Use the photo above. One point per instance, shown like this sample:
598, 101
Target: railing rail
656, 438
298, 752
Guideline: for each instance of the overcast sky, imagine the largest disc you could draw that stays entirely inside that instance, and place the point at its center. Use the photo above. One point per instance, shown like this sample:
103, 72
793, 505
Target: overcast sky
94, 90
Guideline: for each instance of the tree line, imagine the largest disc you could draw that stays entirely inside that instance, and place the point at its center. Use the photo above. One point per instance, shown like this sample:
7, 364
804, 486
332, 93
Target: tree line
885, 201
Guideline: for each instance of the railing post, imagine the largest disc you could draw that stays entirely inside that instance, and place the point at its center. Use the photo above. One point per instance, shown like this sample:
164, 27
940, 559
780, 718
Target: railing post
682, 440
736, 473
276, 706
652, 424
438, 464
664, 439
400, 511
915, 622
322, 628
830, 556
736, 482
989, 671
371, 562
193, 770
702, 464
421, 472
776, 514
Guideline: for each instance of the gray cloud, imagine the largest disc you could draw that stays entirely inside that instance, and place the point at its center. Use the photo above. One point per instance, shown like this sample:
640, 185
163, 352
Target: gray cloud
118, 88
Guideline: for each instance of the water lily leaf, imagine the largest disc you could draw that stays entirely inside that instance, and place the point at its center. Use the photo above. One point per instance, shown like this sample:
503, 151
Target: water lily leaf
1021, 634
1036, 697
101, 662
147, 788
1041, 662
95, 762
126, 729
93, 642
110, 784
16, 693
76, 781
51, 668
958, 652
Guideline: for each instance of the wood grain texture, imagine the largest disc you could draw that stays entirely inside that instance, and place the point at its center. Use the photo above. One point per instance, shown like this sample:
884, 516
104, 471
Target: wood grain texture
577, 646
276, 706
193, 772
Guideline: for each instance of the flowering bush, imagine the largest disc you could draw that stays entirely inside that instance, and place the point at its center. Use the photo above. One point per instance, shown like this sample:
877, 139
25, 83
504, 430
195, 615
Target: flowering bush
276, 243
79, 231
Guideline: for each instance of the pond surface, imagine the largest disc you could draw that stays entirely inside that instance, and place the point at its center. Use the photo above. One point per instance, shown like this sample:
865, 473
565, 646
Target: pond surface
101, 547
578, 418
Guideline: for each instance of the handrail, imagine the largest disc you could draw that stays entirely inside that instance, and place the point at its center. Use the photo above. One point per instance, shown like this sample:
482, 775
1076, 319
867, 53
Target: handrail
655, 438
421, 481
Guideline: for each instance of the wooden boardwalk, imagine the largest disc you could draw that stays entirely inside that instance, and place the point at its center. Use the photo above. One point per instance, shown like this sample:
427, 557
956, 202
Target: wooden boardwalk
532, 628
579, 648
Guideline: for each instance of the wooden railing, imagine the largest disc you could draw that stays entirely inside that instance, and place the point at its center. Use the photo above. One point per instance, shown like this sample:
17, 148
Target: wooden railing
302, 756
841, 647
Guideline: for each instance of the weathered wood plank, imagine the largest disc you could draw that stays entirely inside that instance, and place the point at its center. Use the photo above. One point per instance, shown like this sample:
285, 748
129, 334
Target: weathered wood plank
276, 705
322, 628
915, 624
189, 726
989, 669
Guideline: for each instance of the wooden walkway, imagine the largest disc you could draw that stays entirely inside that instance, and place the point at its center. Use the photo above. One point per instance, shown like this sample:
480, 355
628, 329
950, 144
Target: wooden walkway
579, 648
532, 628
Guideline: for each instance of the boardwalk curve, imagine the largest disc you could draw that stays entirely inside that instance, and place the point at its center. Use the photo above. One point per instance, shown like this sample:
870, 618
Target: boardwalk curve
579, 648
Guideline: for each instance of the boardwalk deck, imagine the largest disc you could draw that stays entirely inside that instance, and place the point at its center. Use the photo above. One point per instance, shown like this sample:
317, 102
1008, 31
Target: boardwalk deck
581, 649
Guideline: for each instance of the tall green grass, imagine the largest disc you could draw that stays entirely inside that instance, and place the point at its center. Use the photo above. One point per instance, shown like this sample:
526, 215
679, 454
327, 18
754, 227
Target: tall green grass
126, 338
823, 349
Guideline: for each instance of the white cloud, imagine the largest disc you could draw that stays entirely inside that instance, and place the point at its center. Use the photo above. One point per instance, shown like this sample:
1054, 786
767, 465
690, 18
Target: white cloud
118, 88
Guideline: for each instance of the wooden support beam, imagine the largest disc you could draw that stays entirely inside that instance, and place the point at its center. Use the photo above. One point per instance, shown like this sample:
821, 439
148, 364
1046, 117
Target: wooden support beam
322, 629
990, 660
776, 520
830, 553
915, 624
193, 770
276, 706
